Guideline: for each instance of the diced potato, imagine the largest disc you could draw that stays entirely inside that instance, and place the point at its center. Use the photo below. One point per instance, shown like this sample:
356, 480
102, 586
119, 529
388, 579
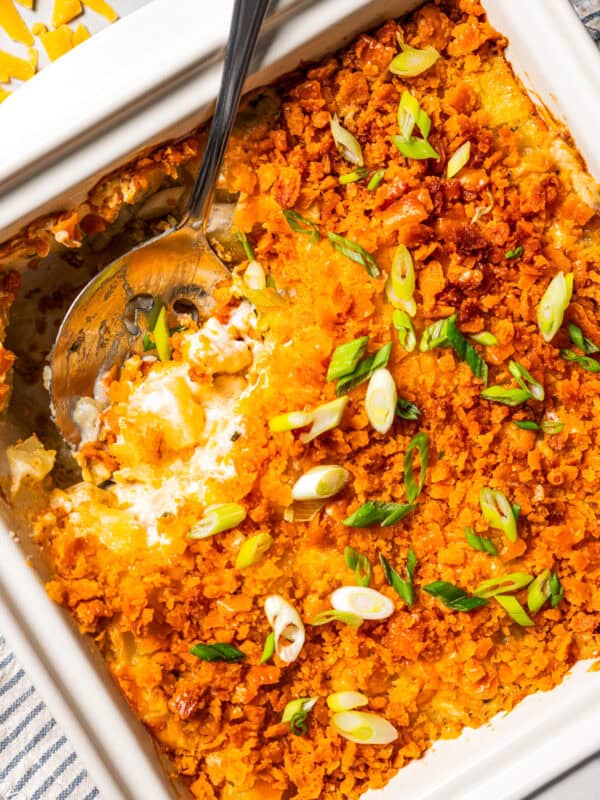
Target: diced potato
28, 461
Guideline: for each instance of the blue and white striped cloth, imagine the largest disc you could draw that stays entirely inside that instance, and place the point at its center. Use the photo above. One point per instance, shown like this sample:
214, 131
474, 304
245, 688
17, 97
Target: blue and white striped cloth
36, 760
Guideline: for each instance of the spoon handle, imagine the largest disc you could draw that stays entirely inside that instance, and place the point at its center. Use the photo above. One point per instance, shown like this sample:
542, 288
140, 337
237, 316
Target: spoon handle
246, 22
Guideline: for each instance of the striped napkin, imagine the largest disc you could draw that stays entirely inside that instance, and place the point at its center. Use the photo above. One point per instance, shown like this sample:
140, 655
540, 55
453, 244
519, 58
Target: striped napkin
36, 760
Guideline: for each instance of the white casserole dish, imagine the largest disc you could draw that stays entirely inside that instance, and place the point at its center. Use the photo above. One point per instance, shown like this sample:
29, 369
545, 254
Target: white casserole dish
550, 50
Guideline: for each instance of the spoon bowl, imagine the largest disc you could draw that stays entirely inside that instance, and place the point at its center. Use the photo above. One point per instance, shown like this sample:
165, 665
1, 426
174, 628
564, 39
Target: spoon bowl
102, 327
179, 268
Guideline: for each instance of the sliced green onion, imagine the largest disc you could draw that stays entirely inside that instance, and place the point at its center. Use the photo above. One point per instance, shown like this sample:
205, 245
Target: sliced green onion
481, 543
527, 425
408, 113
345, 358
434, 335
589, 364
270, 282
355, 253
400, 285
298, 724
407, 410
375, 180
268, 649
300, 224
216, 519
515, 610
516, 253
445, 333
148, 342
465, 351
323, 418
453, 596
254, 276
380, 400
253, 550
406, 332
549, 426
298, 705
320, 482
420, 442
324, 617
556, 589
287, 625
366, 603
349, 144
418, 149
161, 335
411, 62
359, 563
581, 341
291, 421
424, 123
157, 306
506, 395
458, 160
553, 304
484, 338
539, 591
362, 727
364, 370
503, 584
526, 380
516, 510
498, 512
346, 701
248, 252
375, 512
355, 175
405, 589
411, 563
552, 426
303, 510
220, 651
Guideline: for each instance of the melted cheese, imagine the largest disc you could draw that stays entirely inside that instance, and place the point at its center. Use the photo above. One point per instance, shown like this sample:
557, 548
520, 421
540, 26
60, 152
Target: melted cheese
176, 433
165, 402
86, 416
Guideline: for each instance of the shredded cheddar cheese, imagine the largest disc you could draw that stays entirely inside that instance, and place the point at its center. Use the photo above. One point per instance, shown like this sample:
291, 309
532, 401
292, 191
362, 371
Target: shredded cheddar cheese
102, 7
13, 24
64, 11
57, 43
14, 67
80, 34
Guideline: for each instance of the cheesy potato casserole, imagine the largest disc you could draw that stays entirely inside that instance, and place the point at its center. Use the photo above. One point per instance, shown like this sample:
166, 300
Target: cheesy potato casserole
355, 510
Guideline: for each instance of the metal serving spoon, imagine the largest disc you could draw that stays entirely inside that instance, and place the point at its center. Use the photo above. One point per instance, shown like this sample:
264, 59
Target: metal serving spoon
101, 327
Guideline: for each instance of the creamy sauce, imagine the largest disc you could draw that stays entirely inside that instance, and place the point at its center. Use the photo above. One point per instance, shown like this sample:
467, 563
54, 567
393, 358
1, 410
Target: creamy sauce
196, 415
